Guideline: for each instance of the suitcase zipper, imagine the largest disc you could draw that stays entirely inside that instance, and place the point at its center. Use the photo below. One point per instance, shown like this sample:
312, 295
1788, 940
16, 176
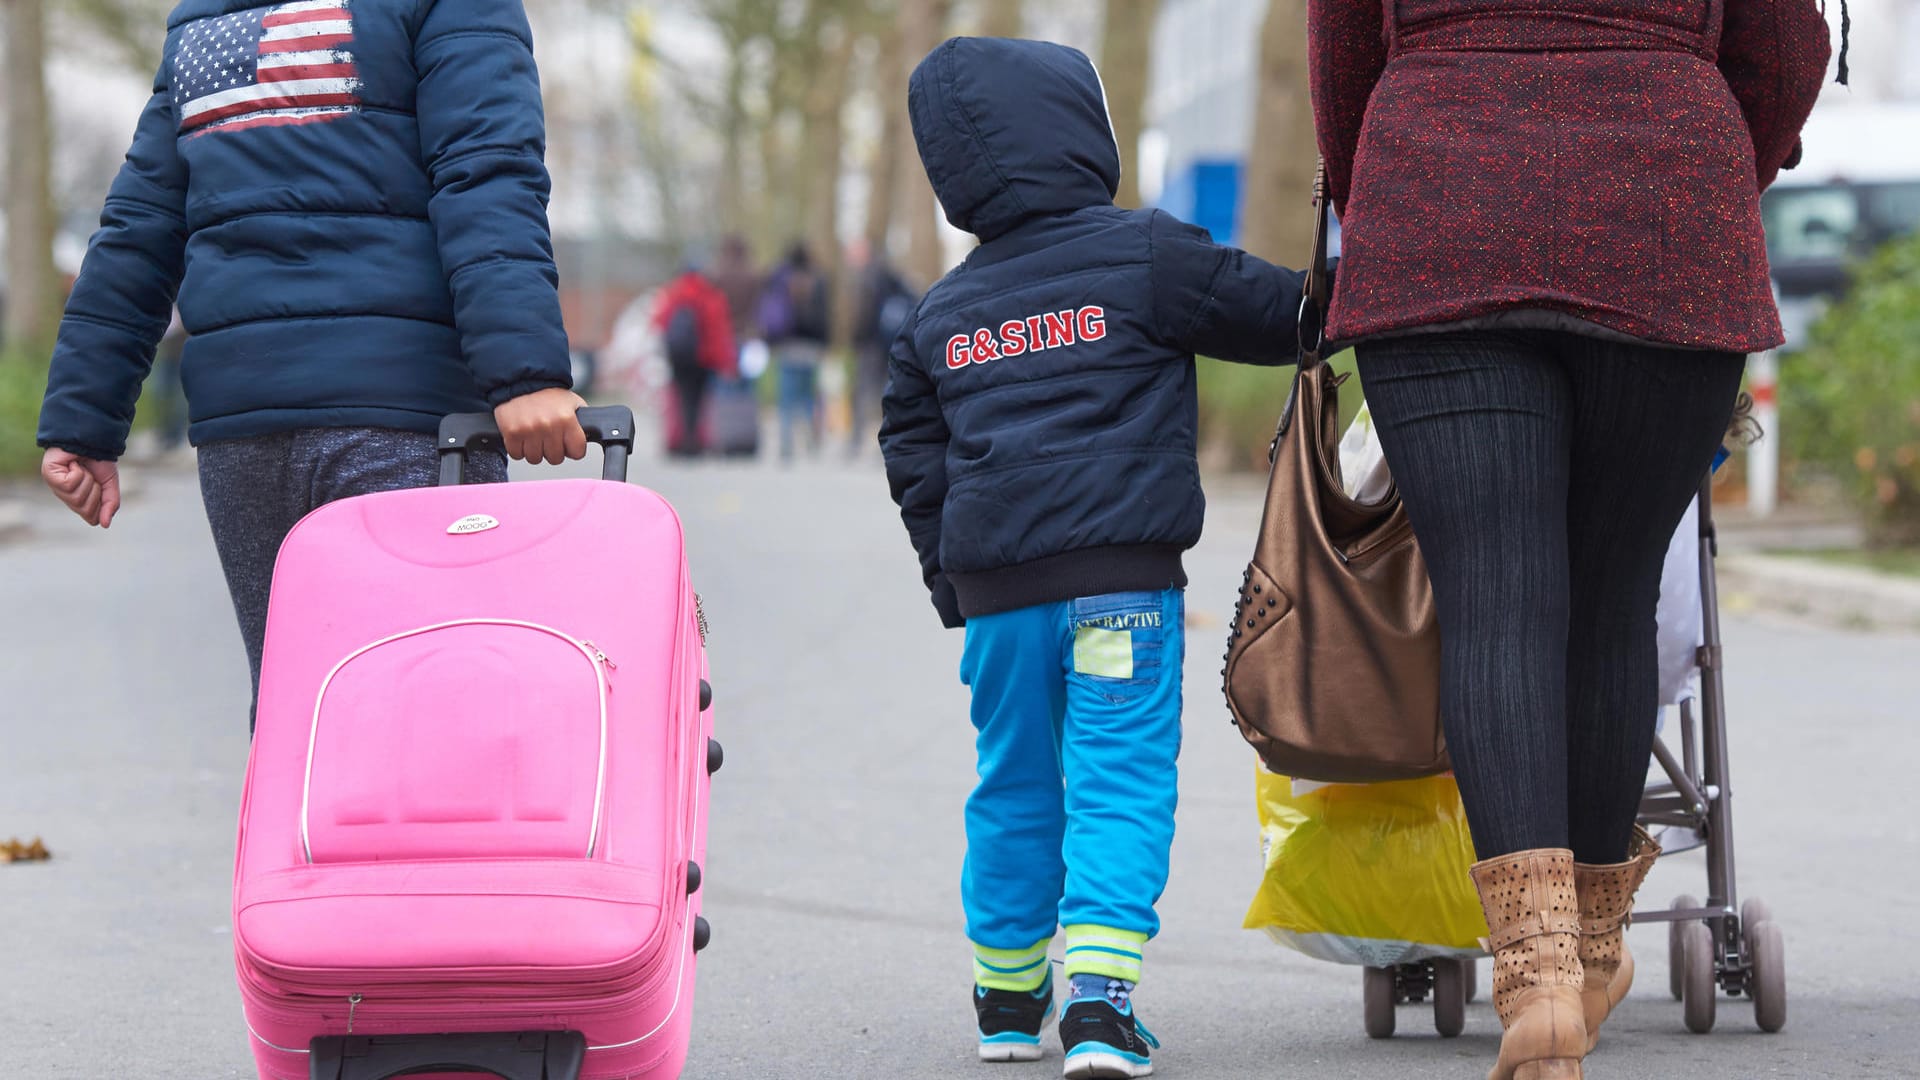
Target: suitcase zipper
277, 1002
603, 666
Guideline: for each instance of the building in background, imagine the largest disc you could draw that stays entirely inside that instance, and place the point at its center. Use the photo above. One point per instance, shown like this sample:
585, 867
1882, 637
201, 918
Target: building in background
1200, 108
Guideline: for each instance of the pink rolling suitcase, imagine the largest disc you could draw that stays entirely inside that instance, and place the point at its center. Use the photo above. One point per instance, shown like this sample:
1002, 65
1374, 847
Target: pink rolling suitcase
476, 807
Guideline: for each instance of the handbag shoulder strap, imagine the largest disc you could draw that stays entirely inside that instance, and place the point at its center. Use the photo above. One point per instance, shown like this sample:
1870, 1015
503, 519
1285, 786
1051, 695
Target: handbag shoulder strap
1312, 323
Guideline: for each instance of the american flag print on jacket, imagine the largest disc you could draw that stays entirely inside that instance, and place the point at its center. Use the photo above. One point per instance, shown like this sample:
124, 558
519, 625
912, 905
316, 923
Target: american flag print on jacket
287, 64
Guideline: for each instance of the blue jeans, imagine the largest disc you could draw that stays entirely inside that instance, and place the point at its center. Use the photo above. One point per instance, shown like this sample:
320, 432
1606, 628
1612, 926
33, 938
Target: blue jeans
1077, 705
799, 398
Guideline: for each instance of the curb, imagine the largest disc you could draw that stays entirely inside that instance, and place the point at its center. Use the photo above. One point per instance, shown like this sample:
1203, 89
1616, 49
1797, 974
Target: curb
1840, 596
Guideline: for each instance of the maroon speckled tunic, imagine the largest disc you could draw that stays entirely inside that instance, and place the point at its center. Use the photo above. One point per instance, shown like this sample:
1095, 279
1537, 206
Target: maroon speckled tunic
1505, 160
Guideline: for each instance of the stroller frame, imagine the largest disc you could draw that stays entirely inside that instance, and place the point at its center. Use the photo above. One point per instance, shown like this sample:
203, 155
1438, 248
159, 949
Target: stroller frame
1721, 945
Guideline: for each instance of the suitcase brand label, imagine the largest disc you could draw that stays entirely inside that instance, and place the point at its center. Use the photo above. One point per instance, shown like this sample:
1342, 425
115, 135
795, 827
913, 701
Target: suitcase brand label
473, 523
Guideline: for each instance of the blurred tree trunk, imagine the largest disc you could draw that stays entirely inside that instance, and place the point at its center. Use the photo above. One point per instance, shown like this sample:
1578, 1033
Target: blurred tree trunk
733, 133
822, 147
661, 156
1276, 200
883, 169
1001, 18
33, 284
922, 24
1126, 48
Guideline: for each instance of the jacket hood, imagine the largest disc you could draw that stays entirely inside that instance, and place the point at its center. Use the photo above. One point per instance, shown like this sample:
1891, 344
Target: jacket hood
1012, 130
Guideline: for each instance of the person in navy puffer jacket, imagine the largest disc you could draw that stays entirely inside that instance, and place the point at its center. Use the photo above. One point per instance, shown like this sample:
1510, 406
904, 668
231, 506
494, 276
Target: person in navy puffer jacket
1039, 436
349, 198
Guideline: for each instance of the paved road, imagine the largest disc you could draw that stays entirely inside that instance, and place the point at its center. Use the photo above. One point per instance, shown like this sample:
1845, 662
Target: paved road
836, 840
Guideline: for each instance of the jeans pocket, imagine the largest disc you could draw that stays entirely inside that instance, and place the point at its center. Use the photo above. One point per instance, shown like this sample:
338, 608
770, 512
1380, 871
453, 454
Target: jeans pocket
1121, 642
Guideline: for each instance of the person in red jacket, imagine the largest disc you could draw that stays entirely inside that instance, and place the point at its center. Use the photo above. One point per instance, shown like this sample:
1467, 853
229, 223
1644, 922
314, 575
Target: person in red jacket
1553, 267
696, 328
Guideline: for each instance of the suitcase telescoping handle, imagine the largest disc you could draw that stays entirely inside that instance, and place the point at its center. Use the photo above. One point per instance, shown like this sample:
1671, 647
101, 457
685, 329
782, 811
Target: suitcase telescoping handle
609, 425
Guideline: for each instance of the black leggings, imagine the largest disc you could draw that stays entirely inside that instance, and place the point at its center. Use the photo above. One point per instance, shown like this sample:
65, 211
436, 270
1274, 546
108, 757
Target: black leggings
690, 387
1545, 474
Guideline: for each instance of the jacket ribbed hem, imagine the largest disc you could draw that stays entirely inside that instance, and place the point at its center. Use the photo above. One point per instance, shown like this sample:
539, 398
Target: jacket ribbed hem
1757, 331
251, 425
1070, 576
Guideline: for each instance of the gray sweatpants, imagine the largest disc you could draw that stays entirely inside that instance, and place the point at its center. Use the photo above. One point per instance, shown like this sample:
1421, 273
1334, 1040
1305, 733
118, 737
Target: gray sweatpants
257, 489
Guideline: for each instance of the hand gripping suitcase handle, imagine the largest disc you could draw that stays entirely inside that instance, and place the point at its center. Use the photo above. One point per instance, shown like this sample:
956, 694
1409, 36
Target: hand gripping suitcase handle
609, 425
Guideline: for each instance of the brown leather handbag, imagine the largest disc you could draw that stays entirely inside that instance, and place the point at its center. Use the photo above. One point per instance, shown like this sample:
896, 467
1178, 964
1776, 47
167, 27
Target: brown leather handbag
1333, 664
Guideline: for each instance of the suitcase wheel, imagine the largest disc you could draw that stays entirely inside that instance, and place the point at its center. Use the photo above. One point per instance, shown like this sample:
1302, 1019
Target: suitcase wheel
706, 695
693, 877
715, 756
702, 933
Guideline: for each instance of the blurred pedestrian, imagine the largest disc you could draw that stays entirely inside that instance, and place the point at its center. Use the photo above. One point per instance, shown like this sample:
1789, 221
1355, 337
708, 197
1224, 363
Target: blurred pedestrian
793, 313
355, 258
733, 272
886, 303
696, 329
1554, 268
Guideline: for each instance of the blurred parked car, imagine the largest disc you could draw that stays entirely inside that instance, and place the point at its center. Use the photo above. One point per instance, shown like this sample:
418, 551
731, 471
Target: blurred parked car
1857, 187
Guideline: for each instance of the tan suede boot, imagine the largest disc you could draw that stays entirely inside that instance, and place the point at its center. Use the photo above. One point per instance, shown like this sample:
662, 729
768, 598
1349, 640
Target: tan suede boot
1533, 915
1606, 898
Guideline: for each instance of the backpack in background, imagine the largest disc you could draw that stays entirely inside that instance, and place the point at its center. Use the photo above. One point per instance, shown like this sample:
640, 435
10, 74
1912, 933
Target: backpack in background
777, 315
892, 317
683, 338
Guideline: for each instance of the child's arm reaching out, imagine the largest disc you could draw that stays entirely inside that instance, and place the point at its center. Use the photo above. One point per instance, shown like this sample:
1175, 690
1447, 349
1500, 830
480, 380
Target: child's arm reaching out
1218, 301
913, 439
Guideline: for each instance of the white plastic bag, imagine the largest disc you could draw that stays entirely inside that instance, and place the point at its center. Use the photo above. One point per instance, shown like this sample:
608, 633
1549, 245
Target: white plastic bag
1363, 464
1680, 618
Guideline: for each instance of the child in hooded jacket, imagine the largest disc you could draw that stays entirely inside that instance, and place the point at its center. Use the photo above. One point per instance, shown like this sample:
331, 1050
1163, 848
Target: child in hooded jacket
1040, 441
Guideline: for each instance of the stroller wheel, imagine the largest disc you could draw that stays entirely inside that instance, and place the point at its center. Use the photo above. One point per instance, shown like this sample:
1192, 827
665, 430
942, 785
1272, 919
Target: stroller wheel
1701, 990
1767, 981
1676, 954
1753, 913
1472, 969
1377, 994
1450, 996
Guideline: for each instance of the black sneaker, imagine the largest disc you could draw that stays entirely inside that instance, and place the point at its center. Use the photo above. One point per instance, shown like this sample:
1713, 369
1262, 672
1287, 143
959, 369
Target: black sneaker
1010, 1021
1103, 1041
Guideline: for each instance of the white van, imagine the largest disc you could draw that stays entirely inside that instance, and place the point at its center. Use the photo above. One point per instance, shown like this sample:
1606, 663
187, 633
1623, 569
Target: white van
1857, 187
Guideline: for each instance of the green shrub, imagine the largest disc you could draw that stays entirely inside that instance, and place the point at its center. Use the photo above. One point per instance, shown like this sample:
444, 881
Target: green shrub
1240, 406
1850, 403
22, 383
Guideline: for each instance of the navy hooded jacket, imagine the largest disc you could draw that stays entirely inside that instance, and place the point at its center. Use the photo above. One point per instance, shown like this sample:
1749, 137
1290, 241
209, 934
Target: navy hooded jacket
349, 199
1041, 408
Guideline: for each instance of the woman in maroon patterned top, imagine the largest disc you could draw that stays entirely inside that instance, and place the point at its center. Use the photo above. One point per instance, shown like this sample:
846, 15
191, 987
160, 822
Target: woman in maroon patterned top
1553, 269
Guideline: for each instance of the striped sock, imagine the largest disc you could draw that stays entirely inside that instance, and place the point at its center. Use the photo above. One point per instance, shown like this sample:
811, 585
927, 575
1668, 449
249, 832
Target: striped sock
1011, 969
1103, 950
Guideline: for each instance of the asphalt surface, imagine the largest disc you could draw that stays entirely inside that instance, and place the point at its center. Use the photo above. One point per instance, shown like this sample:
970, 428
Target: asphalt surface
836, 840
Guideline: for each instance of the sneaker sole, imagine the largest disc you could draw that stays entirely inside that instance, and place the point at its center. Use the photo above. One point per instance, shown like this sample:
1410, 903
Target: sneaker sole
1097, 1066
1011, 1051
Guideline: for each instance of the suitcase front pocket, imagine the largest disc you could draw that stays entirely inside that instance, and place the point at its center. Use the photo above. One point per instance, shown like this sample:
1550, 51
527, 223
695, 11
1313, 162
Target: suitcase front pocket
481, 738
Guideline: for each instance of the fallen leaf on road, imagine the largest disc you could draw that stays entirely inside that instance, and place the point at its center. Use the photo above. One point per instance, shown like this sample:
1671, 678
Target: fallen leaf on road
14, 851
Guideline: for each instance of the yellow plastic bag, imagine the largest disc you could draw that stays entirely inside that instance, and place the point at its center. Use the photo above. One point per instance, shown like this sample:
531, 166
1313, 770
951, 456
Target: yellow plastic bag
1372, 874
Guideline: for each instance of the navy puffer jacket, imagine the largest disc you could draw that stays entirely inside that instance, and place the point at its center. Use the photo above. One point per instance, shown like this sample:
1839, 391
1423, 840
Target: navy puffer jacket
349, 198
1041, 409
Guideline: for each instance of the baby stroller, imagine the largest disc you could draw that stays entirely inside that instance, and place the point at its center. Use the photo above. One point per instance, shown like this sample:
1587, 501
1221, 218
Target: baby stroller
1720, 946
1723, 944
